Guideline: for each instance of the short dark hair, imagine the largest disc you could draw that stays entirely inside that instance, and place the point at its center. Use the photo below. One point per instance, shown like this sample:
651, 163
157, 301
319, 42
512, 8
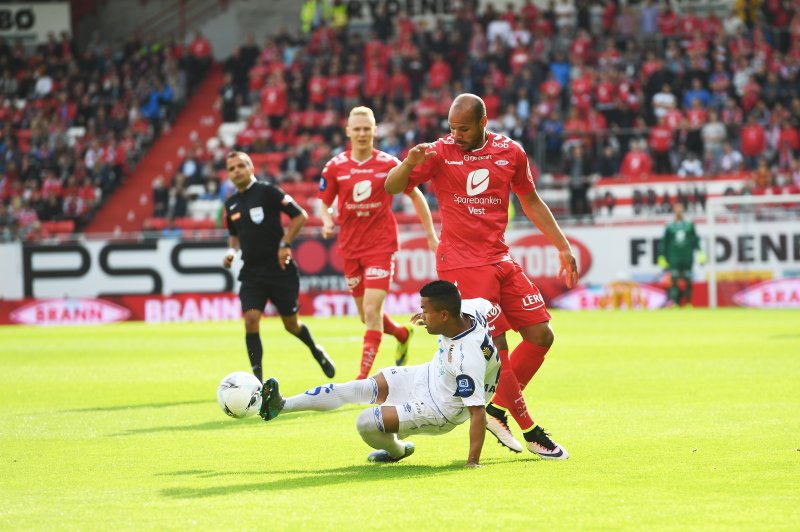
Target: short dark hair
443, 295
472, 102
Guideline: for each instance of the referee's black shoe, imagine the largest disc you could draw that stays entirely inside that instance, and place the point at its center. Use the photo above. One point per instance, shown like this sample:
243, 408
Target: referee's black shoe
324, 361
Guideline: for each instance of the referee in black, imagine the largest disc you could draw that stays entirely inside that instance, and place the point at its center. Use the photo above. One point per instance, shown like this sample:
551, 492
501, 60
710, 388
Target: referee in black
268, 273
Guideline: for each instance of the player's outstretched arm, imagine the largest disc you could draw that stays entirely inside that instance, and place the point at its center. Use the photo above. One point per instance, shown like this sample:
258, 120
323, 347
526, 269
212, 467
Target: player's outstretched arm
477, 433
539, 213
397, 180
424, 214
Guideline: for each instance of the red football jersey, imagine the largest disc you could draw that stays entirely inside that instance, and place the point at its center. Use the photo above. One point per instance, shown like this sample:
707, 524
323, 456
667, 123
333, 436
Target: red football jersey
367, 224
473, 193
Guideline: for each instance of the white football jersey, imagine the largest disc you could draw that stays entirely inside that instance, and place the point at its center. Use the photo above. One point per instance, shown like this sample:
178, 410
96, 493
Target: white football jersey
465, 369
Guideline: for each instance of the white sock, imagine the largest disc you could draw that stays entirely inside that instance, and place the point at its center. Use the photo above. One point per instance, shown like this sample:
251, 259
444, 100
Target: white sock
370, 427
332, 396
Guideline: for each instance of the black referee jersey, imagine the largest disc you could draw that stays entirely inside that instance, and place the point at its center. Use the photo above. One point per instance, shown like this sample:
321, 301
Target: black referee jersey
254, 217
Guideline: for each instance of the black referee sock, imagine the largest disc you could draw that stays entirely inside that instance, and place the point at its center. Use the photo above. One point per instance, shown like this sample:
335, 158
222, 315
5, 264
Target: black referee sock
255, 352
305, 336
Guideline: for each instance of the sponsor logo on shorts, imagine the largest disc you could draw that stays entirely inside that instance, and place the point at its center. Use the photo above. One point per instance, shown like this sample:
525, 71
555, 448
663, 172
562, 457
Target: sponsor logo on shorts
376, 273
465, 386
352, 282
532, 301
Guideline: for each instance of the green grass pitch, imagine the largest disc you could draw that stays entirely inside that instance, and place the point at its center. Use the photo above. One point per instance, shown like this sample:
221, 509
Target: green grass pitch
675, 419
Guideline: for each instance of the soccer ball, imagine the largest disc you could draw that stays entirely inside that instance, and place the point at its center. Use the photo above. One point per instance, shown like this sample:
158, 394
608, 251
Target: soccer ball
239, 394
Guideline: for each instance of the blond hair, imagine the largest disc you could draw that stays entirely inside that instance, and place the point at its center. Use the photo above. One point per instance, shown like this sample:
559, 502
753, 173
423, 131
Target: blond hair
362, 110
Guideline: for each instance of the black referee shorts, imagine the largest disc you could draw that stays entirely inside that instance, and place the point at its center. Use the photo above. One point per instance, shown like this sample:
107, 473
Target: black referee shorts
282, 289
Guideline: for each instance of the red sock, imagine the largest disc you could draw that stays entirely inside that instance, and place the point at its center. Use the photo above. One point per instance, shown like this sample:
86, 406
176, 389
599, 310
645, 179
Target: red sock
509, 394
372, 341
526, 360
395, 329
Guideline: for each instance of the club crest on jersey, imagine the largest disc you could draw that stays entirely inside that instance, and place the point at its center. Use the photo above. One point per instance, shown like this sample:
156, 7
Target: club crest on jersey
477, 182
465, 386
323, 184
257, 214
362, 191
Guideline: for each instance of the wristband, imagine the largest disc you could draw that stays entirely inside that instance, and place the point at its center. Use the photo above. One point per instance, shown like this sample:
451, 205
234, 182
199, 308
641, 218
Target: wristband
283, 244
231, 252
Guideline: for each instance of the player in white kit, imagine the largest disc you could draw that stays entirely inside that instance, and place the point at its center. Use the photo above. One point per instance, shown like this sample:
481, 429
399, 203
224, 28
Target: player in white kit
432, 398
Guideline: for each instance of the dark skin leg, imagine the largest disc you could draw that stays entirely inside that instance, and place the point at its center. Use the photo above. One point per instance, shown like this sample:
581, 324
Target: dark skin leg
391, 423
538, 333
291, 323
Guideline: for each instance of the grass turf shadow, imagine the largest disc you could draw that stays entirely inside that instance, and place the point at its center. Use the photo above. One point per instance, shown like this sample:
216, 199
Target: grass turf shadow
310, 479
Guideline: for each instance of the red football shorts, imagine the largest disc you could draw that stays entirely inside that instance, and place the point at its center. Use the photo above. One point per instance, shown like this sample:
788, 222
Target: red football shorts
369, 271
517, 301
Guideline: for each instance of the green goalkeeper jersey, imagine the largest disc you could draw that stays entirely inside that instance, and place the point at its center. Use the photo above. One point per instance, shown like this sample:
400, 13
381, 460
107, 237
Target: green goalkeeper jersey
679, 243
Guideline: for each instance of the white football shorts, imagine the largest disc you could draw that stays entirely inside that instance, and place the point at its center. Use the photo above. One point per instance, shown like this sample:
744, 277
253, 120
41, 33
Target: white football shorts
416, 414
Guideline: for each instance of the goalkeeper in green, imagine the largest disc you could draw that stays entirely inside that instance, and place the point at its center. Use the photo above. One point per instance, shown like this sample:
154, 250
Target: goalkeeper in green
676, 254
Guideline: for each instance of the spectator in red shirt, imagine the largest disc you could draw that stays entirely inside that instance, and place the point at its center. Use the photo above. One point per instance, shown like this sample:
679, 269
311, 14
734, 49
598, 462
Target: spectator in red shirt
637, 162
661, 144
439, 72
350, 84
275, 100
753, 142
199, 56
789, 135
375, 81
399, 86
668, 22
317, 88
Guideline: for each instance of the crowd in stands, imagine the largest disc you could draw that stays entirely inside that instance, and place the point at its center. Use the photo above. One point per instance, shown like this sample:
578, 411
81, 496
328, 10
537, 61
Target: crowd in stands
603, 89
73, 123
592, 89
